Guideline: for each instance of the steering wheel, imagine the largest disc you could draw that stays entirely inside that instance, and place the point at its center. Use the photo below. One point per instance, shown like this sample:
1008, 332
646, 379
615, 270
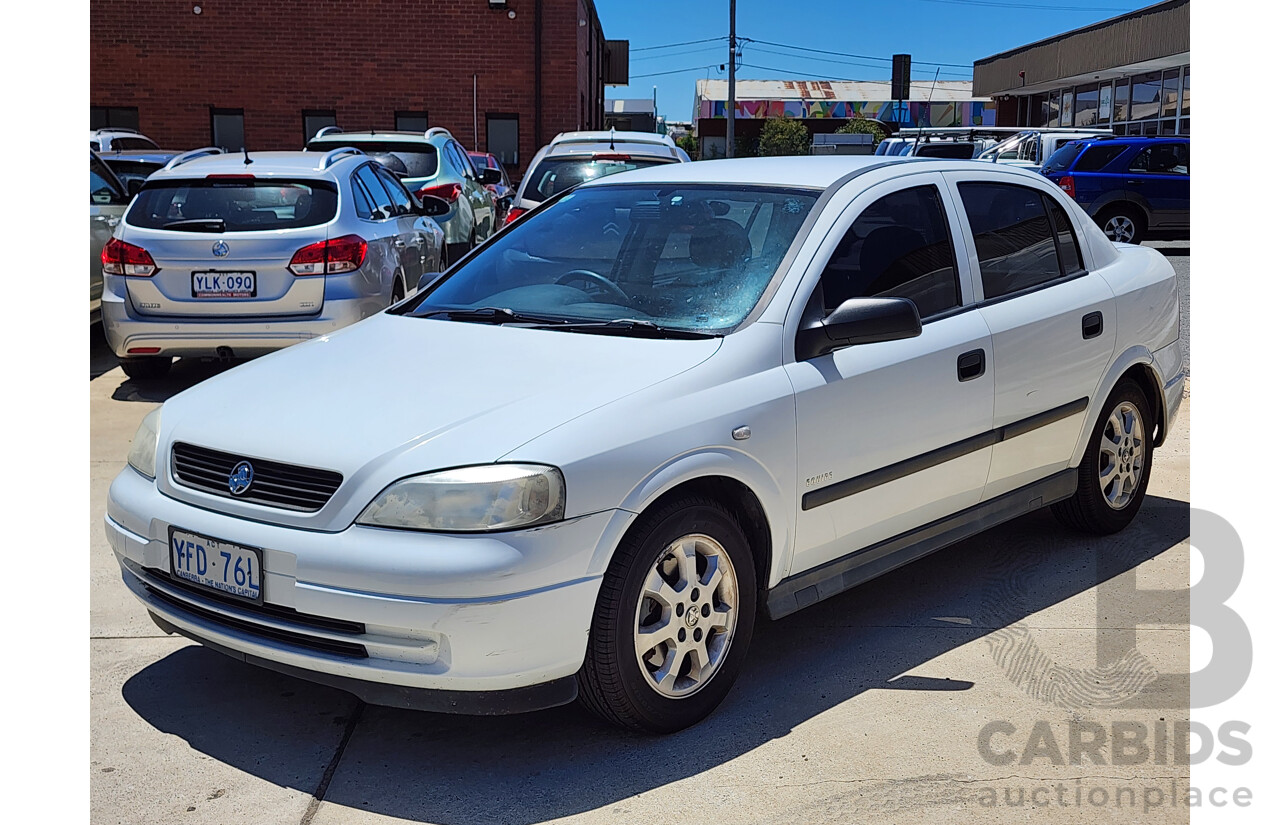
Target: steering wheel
587, 276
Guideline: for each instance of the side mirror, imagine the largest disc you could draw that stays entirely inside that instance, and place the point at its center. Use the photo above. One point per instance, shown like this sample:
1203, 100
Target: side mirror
488, 175
432, 207
134, 186
859, 321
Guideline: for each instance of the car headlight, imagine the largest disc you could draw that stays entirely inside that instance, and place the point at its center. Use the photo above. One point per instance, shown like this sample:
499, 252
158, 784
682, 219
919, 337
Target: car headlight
142, 454
471, 499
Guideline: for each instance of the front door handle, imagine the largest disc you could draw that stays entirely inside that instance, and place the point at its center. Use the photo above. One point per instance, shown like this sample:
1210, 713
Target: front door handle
1091, 325
971, 365
398, 243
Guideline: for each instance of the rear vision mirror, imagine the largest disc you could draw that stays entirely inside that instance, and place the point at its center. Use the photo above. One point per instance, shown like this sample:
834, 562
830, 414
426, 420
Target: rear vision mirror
859, 321
432, 207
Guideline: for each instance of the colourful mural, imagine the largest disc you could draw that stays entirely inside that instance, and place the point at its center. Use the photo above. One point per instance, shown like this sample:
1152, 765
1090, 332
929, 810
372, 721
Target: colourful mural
943, 113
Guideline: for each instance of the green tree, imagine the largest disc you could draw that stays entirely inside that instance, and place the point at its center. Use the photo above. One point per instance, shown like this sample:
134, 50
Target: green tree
859, 125
784, 136
689, 144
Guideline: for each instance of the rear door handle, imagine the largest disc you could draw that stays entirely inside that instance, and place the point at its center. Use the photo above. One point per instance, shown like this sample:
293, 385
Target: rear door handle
971, 365
398, 243
1133, 182
1091, 325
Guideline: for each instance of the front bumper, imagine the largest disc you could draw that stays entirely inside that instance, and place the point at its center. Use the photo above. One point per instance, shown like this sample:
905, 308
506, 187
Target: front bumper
432, 637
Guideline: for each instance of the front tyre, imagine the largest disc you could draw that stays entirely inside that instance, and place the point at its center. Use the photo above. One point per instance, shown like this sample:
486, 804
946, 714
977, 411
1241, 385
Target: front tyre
1113, 475
674, 619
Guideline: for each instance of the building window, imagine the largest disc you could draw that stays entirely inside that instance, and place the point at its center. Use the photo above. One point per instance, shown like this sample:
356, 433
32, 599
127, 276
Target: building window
502, 137
1120, 111
113, 117
1039, 114
1186, 91
1104, 103
1086, 104
1068, 108
1169, 96
1144, 100
1055, 106
410, 121
227, 128
313, 120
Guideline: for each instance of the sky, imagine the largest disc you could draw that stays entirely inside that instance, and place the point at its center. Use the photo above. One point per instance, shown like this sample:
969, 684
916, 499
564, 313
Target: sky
931, 31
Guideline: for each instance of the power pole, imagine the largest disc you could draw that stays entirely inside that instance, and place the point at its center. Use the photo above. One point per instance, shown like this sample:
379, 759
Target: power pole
732, 107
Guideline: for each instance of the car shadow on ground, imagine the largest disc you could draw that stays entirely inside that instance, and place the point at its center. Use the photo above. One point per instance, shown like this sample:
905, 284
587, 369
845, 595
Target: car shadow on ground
542, 766
1175, 251
185, 373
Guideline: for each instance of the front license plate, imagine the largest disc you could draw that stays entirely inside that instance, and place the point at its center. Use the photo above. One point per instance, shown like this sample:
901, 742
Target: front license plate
224, 285
218, 565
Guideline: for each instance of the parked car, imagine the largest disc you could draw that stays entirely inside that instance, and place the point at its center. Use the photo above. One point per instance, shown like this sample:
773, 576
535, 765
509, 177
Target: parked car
1033, 147
504, 194
219, 256
1134, 187
574, 157
134, 166
437, 165
658, 403
107, 202
110, 140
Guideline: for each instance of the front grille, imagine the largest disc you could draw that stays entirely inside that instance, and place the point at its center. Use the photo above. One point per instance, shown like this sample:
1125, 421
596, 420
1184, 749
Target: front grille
335, 647
274, 484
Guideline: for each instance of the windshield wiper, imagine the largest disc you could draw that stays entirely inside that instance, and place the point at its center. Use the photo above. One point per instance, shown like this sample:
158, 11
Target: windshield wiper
198, 225
492, 315
631, 326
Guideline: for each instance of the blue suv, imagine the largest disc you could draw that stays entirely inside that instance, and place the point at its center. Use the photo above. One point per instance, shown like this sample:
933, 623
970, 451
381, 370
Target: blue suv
1134, 187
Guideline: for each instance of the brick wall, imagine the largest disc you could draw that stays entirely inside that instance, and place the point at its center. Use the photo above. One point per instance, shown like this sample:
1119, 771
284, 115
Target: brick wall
365, 59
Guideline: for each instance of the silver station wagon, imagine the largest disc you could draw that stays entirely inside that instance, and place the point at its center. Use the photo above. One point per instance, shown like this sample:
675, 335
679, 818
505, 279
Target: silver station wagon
230, 255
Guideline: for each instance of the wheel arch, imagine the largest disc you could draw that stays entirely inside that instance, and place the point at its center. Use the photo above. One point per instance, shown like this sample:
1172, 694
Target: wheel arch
741, 485
1135, 363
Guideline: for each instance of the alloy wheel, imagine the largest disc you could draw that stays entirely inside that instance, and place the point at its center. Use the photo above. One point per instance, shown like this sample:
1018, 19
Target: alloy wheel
1121, 456
686, 616
1120, 228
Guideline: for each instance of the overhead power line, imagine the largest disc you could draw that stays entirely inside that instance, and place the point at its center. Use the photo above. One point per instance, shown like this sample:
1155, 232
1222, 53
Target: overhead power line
673, 71
858, 56
827, 59
666, 55
673, 45
1031, 6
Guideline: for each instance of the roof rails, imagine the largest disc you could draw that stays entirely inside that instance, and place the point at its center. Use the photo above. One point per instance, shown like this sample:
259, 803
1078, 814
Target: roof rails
437, 130
328, 130
192, 155
334, 156
116, 129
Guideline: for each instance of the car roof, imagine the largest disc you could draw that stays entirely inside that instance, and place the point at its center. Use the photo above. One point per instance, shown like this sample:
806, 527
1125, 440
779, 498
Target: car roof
264, 164
142, 155
618, 147
390, 136
606, 135
808, 171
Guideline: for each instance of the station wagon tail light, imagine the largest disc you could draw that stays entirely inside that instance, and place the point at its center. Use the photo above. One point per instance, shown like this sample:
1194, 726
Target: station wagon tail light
515, 212
120, 258
344, 254
1068, 185
445, 191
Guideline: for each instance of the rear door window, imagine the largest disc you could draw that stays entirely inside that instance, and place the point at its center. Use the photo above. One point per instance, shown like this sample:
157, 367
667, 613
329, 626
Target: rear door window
1099, 155
1015, 241
1163, 159
241, 204
103, 189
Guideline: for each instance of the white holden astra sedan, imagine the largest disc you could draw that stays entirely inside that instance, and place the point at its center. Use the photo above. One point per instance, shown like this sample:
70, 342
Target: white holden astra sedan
653, 408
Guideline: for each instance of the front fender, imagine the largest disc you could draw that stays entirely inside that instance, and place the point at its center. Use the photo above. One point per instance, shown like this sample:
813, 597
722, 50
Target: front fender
717, 462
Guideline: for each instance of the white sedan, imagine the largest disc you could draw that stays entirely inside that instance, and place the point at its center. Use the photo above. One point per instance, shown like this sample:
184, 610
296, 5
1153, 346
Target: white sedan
654, 407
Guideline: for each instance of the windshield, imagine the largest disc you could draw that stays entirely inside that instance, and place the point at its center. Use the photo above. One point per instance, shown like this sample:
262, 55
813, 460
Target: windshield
234, 204
420, 159
554, 175
692, 258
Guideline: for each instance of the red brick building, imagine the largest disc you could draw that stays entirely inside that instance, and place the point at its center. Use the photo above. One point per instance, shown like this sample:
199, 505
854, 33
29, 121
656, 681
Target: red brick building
502, 75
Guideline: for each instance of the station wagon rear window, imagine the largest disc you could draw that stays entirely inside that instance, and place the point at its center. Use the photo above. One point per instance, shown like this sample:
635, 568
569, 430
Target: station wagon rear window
554, 175
233, 204
420, 159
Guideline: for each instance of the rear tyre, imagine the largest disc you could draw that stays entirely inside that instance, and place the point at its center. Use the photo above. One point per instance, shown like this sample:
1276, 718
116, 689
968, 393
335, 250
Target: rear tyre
673, 620
1113, 476
397, 291
144, 369
1123, 224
